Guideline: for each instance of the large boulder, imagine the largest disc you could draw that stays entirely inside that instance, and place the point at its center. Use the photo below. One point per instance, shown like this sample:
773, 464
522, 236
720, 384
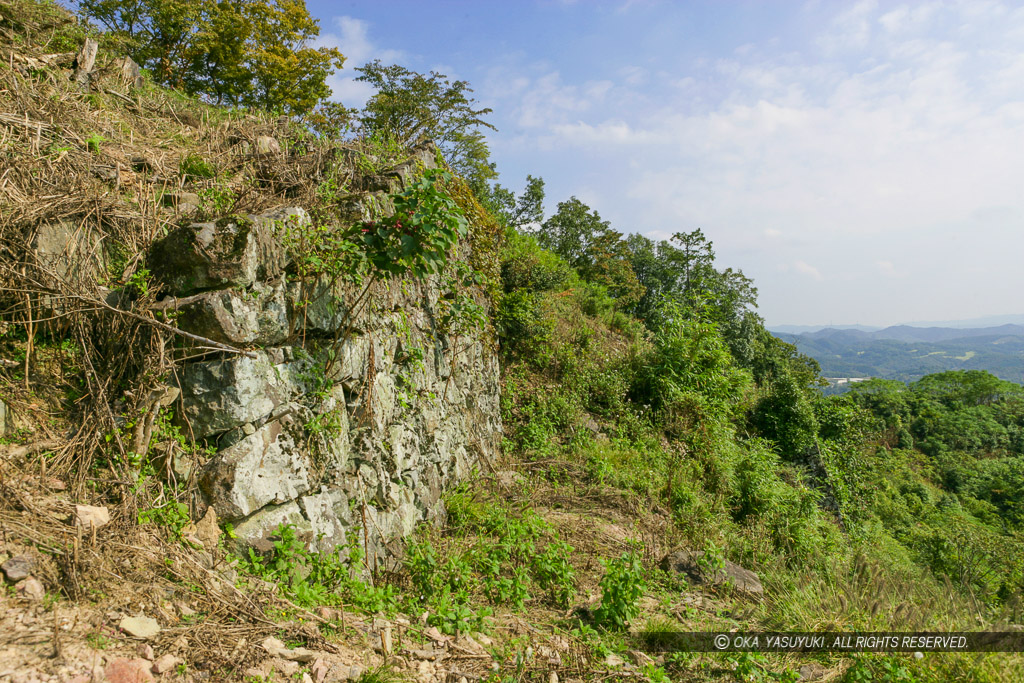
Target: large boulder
688, 563
258, 315
223, 394
232, 252
258, 531
319, 305
321, 521
266, 467
69, 250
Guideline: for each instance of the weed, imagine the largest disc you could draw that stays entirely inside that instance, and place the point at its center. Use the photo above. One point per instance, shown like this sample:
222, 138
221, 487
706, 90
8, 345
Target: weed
381, 674
218, 200
195, 167
554, 572
97, 640
311, 578
173, 515
92, 143
382, 151
621, 589
139, 282
712, 561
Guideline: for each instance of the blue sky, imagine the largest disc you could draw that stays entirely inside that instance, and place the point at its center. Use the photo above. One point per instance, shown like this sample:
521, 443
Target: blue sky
862, 162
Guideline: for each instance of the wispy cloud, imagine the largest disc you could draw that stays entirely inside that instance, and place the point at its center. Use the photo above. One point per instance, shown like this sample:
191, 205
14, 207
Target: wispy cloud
352, 37
892, 127
805, 268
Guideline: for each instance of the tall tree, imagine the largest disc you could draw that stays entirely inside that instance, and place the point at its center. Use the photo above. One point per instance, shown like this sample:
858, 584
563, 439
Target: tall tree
524, 212
570, 231
529, 209
253, 53
410, 106
697, 257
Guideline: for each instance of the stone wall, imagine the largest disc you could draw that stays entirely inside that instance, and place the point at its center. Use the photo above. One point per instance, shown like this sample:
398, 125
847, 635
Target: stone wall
350, 438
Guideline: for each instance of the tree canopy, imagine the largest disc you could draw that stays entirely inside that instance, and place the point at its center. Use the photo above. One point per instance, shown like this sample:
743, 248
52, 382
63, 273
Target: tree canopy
410, 106
253, 53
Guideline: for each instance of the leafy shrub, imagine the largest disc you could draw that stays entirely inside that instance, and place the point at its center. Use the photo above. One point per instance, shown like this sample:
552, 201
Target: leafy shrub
419, 237
524, 265
786, 417
689, 358
554, 572
621, 589
522, 327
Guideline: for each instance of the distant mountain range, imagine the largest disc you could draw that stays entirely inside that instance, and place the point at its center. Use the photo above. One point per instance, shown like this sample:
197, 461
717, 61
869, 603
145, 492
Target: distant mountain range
907, 352
970, 323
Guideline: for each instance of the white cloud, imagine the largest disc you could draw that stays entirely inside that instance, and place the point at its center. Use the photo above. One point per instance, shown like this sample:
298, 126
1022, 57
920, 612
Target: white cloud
851, 29
547, 101
890, 133
807, 269
352, 37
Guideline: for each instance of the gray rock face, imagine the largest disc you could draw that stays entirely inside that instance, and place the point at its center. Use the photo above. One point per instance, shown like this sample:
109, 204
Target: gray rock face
266, 467
257, 531
223, 394
228, 253
687, 562
258, 315
69, 251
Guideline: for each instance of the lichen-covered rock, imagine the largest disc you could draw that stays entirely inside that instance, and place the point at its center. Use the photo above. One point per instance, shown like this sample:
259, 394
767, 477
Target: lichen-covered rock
257, 531
329, 518
319, 306
258, 315
266, 467
232, 252
69, 251
226, 393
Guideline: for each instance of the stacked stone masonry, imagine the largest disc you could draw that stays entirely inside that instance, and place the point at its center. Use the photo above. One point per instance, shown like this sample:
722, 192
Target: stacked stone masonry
351, 447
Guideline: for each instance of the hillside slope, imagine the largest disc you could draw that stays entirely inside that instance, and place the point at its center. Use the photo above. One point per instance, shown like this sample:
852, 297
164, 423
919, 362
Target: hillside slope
661, 473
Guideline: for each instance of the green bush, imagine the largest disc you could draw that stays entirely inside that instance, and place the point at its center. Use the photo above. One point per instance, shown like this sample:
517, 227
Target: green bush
621, 589
522, 328
195, 167
525, 266
786, 417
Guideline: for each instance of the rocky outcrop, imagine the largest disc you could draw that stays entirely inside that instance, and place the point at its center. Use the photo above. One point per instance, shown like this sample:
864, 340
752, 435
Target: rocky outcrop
689, 563
230, 253
347, 429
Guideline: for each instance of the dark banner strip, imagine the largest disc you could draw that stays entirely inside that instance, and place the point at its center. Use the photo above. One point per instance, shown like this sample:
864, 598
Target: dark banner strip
989, 641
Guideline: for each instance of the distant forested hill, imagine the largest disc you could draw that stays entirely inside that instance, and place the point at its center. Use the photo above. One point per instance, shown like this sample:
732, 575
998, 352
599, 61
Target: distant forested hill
908, 353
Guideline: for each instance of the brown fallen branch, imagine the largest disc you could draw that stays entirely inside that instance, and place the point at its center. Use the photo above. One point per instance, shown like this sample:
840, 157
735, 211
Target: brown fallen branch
16, 451
13, 120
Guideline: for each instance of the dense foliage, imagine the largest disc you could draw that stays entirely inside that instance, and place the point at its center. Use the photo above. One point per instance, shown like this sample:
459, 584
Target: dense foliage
253, 53
675, 392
